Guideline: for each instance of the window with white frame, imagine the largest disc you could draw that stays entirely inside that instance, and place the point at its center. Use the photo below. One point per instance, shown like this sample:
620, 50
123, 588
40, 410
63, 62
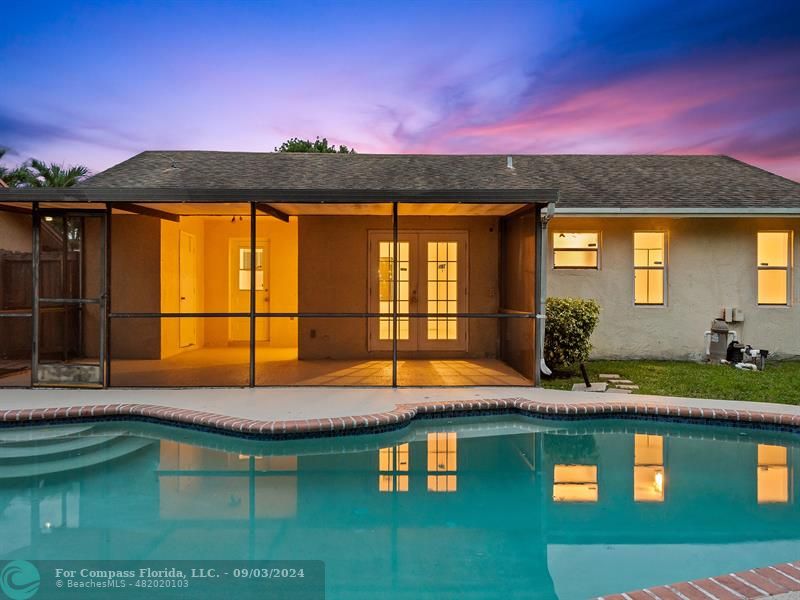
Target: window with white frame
774, 262
649, 267
576, 250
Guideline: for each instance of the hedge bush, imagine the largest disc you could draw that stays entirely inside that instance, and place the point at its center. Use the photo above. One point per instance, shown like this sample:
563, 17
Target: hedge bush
570, 323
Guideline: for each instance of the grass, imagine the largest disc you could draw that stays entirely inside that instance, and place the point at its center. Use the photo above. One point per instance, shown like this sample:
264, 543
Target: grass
779, 382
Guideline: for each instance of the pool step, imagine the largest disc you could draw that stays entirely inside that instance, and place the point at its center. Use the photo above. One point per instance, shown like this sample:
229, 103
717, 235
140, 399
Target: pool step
61, 463
55, 446
26, 435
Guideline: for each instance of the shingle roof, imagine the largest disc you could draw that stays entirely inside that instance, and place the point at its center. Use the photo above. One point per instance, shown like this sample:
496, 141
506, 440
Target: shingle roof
583, 181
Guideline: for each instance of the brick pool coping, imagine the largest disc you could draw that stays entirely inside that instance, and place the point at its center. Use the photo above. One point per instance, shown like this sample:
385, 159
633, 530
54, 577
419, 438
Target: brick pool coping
399, 417
763, 582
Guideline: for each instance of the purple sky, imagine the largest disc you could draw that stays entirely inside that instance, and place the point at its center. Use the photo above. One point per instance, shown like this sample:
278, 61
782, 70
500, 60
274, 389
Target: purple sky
95, 83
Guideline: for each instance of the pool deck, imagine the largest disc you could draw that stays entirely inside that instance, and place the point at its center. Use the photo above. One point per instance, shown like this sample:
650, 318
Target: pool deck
777, 581
293, 412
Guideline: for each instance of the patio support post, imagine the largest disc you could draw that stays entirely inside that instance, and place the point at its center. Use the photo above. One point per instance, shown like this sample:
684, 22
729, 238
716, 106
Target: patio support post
395, 289
105, 302
252, 294
35, 295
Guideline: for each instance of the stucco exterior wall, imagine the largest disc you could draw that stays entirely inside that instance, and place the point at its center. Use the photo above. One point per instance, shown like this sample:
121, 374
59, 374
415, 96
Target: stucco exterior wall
135, 285
711, 264
15, 232
334, 277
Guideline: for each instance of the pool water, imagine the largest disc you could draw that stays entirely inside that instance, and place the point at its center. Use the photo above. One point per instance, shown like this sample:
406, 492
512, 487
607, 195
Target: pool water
501, 507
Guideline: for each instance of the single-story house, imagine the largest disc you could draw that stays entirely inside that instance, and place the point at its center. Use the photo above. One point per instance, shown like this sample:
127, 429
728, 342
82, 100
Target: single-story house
189, 268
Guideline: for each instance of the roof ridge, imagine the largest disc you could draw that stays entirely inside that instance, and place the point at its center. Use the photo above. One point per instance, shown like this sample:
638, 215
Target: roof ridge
759, 169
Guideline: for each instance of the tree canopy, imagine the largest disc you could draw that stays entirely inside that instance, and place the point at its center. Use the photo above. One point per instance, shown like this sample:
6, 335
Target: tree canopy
36, 173
319, 145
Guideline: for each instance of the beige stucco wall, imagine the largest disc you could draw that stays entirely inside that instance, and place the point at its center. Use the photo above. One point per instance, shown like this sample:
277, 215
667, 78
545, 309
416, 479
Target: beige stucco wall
334, 277
135, 285
15, 232
282, 242
711, 264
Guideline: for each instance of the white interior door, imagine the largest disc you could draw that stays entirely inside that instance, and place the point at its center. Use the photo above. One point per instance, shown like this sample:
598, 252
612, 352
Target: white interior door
187, 288
240, 266
432, 277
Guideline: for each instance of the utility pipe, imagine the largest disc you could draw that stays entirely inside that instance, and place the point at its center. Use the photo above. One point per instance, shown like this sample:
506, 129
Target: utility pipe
541, 288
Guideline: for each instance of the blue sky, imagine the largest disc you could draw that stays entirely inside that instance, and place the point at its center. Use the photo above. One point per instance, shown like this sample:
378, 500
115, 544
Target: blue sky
96, 82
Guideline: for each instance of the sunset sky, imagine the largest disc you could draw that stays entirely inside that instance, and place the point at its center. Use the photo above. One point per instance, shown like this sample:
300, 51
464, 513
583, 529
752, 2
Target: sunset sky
94, 82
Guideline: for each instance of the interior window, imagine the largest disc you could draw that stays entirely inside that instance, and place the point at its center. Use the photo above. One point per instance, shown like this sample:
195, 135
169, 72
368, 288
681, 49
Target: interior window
773, 267
575, 250
649, 267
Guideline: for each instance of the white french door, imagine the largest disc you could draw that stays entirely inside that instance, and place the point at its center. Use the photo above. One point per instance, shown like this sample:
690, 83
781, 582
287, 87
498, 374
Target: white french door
431, 278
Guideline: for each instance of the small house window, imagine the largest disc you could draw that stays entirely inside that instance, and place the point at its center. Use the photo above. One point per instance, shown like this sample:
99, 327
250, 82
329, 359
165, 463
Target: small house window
244, 269
575, 250
649, 267
773, 267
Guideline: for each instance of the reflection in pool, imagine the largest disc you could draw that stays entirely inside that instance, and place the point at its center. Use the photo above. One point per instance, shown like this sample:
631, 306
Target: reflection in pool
480, 507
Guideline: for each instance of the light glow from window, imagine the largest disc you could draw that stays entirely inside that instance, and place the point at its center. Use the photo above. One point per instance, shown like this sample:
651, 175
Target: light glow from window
442, 289
648, 468
575, 250
773, 474
575, 483
774, 261
393, 467
386, 289
649, 262
442, 461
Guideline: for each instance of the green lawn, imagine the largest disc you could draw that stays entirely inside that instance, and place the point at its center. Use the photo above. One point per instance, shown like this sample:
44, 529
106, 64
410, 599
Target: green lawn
779, 382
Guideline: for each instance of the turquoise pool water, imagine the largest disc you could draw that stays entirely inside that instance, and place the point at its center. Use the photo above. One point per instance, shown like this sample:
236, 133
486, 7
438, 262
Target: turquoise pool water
471, 508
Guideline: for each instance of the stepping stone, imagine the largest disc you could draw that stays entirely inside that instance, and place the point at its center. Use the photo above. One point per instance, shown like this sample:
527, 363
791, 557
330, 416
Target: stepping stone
596, 387
616, 381
609, 376
628, 387
618, 391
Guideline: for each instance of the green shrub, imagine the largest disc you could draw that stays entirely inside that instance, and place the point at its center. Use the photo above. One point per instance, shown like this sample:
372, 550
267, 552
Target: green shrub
570, 323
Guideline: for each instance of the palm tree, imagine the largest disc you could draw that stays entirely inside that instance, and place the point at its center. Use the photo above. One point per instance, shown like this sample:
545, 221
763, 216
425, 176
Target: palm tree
15, 177
41, 174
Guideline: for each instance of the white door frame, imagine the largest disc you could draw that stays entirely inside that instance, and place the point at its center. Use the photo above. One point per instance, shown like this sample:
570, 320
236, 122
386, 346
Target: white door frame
418, 292
187, 298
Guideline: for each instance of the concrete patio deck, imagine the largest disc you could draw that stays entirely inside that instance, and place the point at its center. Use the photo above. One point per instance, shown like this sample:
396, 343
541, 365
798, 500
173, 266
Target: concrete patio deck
278, 412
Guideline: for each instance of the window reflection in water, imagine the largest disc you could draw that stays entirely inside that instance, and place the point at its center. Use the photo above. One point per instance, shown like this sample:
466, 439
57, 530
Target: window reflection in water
575, 483
224, 482
393, 468
773, 474
442, 467
648, 468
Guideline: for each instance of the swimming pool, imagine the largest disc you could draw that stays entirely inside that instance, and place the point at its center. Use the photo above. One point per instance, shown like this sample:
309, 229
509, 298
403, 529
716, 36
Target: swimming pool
476, 507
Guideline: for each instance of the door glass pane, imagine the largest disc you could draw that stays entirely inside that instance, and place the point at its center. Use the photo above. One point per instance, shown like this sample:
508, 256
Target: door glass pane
442, 288
386, 289
244, 269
